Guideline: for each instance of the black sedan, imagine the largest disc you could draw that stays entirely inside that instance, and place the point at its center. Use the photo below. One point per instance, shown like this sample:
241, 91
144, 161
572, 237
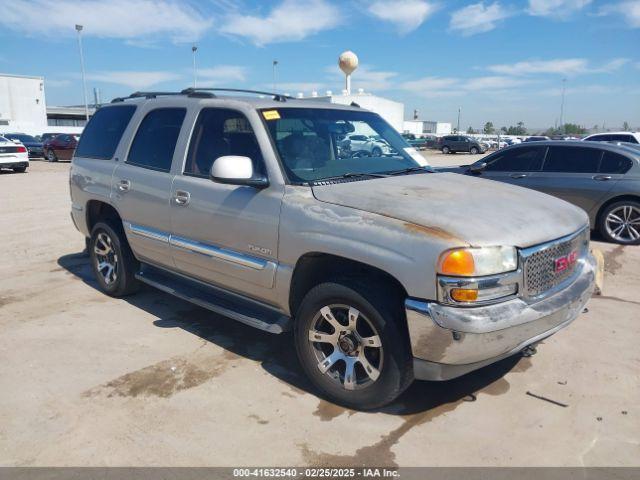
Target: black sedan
34, 147
601, 178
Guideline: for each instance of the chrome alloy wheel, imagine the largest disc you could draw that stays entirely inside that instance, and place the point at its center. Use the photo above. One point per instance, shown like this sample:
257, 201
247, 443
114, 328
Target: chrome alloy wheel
106, 258
623, 223
347, 346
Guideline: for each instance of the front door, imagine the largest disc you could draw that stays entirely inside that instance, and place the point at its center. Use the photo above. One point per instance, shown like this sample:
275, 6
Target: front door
224, 234
518, 166
142, 185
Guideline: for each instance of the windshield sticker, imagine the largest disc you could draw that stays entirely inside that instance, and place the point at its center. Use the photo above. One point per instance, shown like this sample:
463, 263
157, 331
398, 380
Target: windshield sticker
413, 153
271, 115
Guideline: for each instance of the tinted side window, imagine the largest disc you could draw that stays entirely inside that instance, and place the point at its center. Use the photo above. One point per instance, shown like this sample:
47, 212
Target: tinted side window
572, 160
600, 138
156, 138
219, 132
102, 134
614, 163
526, 159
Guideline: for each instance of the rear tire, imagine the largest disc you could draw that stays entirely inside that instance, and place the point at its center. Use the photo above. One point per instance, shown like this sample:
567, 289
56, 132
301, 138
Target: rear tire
375, 344
51, 156
620, 222
112, 260
446, 150
20, 169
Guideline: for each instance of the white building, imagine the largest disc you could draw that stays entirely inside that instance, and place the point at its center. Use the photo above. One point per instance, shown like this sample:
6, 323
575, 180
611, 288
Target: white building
391, 111
22, 104
423, 127
23, 108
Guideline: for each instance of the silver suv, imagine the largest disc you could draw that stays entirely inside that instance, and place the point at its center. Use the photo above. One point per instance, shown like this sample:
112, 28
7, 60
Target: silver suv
385, 271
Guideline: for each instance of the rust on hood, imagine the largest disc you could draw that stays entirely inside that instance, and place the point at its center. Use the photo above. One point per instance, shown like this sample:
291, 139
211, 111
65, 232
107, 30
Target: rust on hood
432, 232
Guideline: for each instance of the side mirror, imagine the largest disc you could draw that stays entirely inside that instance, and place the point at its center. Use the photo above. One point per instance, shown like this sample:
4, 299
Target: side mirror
477, 167
236, 170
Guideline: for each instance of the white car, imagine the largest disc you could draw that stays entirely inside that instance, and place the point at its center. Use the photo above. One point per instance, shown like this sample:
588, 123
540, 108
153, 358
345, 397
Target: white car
13, 156
367, 145
629, 137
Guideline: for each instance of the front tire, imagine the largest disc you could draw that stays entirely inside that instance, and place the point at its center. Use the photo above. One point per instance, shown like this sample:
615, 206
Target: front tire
376, 152
473, 151
352, 345
112, 260
446, 150
620, 223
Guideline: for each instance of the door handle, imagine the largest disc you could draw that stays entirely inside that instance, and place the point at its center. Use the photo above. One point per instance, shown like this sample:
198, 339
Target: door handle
124, 185
518, 175
182, 198
602, 178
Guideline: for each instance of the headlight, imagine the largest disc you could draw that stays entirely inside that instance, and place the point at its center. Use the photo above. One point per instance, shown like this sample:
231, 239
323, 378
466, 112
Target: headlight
477, 262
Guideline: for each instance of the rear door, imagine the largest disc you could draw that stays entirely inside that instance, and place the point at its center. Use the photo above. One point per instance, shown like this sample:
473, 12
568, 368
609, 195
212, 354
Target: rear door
142, 184
517, 166
571, 172
224, 234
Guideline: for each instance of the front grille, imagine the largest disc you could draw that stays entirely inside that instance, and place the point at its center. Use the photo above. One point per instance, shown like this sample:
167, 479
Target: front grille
540, 273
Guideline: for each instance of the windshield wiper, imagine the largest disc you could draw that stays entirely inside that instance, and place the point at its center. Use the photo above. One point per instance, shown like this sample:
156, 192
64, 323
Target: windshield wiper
425, 168
352, 175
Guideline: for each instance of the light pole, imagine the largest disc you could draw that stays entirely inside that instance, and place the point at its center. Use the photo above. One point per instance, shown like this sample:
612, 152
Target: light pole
458, 128
564, 81
275, 64
194, 49
84, 83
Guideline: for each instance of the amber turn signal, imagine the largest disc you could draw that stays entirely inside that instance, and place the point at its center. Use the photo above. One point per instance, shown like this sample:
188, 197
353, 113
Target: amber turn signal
464, 294
458, 262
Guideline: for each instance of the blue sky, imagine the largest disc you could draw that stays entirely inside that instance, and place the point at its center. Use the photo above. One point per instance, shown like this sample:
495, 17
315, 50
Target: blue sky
500, 61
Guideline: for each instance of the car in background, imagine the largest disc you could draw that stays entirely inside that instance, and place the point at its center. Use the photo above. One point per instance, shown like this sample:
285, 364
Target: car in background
537, 138
367, 145
34, 147
601, 178
461, 143
60, 147
13, 156
416, 142
630, 137
47, 136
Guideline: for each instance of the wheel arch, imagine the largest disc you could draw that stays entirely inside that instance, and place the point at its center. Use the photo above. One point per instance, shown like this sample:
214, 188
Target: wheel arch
314, 268
97, 210
611, 201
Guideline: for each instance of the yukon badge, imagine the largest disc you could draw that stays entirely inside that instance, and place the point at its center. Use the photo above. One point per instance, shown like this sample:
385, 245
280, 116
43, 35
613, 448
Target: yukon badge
262, 250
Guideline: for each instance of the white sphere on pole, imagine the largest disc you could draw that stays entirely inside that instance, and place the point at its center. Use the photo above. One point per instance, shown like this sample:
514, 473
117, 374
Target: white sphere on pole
348, 62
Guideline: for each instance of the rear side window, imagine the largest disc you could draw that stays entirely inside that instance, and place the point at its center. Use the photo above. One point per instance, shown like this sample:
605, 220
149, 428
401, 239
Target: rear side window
156, 139
614, 163
525, 159
102, 134
572, 160
220, 132
600, 138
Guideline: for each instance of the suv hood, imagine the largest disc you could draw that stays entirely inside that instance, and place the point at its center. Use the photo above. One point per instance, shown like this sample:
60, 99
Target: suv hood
461, 209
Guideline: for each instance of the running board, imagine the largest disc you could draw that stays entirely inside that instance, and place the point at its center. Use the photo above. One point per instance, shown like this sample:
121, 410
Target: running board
228, 304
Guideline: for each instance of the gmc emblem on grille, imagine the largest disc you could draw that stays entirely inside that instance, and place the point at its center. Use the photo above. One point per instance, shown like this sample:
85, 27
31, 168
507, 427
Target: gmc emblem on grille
563, 263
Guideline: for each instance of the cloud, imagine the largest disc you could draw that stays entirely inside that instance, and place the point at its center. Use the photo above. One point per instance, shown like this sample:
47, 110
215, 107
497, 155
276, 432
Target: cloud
406, 15
556, 8
478, 18
134, 79
222, 74
630, 10
567, 66
433, 87
291, 20
123, 19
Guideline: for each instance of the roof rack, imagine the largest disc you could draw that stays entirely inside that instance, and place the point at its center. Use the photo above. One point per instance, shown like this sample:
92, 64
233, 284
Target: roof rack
278, 97
201, 93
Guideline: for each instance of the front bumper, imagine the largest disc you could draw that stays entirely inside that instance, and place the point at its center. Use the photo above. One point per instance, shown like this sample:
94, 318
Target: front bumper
450, 341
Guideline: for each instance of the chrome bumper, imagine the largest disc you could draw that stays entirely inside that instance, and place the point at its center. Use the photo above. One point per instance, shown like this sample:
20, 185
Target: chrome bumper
450, 341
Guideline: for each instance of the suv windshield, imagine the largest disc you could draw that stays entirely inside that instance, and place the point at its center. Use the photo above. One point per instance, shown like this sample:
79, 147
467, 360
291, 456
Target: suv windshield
318, 143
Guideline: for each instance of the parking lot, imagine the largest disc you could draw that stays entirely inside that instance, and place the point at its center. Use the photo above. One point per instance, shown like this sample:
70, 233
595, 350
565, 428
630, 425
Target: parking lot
88, 380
